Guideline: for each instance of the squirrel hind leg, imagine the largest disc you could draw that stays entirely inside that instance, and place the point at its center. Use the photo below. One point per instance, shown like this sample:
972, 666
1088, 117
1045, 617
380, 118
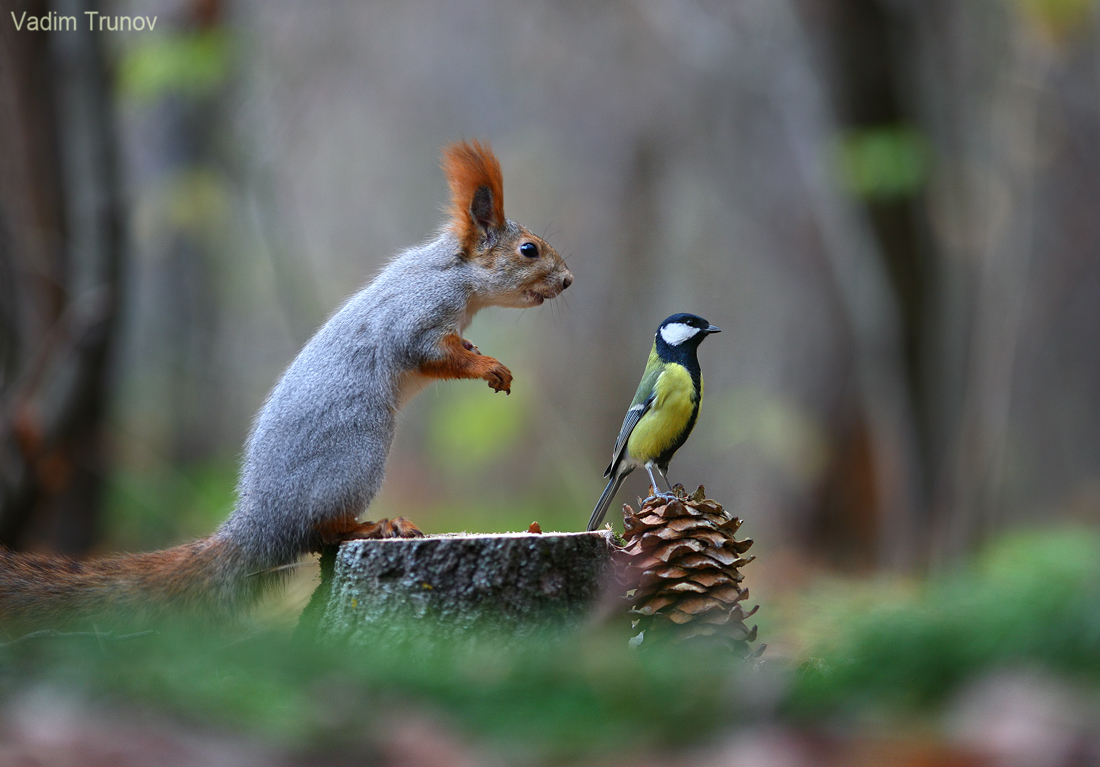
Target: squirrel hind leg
351, 530
398, 527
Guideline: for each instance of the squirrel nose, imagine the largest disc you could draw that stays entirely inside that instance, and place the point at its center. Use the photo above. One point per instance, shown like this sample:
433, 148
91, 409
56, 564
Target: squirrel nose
567, 280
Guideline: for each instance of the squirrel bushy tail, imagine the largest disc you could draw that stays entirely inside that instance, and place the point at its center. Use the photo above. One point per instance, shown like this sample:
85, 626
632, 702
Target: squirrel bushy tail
315, 457
204, 579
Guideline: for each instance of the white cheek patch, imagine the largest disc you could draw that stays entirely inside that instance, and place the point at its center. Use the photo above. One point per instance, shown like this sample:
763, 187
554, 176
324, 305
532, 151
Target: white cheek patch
676, 333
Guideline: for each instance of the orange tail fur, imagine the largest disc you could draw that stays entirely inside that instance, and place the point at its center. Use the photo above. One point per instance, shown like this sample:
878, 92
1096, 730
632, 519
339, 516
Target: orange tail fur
203, 580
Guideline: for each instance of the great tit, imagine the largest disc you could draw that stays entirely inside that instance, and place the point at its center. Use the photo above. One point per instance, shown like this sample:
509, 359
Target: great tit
664, 409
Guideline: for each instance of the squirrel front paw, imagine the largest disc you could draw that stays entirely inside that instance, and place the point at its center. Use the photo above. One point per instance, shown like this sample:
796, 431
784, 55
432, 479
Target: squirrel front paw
499, 378
458, 358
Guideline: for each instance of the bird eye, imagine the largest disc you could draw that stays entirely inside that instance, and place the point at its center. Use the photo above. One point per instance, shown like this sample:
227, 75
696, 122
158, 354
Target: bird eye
529, 249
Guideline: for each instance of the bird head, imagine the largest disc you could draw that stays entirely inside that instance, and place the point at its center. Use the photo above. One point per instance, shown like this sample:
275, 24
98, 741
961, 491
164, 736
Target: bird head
684, 330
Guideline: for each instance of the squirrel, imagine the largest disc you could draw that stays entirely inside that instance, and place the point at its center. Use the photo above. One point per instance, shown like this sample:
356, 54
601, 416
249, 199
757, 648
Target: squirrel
316, 453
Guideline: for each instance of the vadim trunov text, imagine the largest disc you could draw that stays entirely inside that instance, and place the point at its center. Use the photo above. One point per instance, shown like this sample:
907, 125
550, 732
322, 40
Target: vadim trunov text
97, 22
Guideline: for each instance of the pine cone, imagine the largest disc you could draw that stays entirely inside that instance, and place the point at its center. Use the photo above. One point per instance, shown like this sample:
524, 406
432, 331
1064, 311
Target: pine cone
682, 563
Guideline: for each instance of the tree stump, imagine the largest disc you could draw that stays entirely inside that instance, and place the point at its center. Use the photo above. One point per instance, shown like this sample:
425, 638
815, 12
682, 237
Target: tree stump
457, 588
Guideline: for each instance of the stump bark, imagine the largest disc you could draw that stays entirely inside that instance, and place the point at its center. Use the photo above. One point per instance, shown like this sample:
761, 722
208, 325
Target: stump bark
455, 588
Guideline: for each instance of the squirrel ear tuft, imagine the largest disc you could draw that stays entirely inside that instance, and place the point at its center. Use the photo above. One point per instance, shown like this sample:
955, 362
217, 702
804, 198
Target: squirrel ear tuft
477, 191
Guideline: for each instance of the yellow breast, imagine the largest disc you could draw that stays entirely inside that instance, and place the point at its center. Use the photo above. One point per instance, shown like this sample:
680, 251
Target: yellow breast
667, 418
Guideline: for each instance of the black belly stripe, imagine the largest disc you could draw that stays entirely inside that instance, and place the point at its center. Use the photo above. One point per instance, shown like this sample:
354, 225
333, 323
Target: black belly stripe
664, 458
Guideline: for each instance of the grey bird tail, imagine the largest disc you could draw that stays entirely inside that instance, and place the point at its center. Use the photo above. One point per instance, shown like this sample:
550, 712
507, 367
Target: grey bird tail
605, 500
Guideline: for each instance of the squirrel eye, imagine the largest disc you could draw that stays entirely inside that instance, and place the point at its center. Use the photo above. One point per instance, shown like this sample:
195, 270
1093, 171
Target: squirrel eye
529, 249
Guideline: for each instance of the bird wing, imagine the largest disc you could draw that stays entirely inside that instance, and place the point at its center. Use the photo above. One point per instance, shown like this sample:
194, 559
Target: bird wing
643, 401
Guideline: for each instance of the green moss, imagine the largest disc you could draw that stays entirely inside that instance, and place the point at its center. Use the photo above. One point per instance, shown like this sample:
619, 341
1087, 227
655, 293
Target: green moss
557, 697
1032, 600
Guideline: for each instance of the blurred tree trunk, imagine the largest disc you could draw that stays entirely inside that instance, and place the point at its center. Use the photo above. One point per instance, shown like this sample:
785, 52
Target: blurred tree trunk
963, 260
60, 268
884, 435
973, 502
192, 317
860, 40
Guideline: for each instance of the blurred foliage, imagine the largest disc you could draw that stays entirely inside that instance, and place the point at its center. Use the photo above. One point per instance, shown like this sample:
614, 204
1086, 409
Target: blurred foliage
1032, 600
883, 162
540, 694
197, 200
1059, 18
146, 508
882, 648
163, 504
785, 433
486, 512
192, 65
468, 429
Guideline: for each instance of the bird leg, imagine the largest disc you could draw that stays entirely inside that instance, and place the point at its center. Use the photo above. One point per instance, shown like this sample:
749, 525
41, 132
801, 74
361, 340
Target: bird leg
665, 478
656, 493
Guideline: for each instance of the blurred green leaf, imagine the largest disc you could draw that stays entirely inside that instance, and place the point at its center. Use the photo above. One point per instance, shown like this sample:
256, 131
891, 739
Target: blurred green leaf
1059, 18
192, 65
884, 162
1031, 600
148, 508
470, 425
783, 431
197, 199
552, 697
487, 513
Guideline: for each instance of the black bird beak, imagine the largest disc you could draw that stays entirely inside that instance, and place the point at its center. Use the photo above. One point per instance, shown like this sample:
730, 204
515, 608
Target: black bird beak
713, 329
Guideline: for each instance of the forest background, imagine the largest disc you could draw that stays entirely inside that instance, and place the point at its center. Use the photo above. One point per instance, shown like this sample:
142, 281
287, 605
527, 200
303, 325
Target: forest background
888, 206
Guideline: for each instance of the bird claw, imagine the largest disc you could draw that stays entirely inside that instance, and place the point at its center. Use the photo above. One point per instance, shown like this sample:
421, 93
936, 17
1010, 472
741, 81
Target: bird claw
654, 493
